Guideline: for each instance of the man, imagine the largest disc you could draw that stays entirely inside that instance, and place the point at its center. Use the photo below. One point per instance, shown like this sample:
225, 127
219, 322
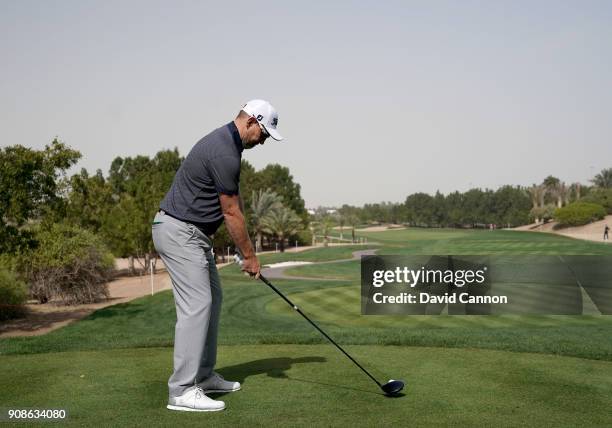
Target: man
204, 193
606, 230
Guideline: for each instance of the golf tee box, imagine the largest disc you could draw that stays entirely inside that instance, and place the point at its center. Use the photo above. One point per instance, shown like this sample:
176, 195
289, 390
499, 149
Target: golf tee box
486, 285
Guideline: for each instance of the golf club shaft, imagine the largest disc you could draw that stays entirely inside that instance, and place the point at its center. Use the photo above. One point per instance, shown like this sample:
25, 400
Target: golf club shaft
290, 303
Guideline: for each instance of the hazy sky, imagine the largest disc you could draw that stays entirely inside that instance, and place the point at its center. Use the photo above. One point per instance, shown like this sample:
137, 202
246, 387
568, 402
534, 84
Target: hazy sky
376, 100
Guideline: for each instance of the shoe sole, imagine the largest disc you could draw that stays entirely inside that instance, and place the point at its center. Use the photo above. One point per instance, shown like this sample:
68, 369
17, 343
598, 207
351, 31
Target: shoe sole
190, 409
206, 391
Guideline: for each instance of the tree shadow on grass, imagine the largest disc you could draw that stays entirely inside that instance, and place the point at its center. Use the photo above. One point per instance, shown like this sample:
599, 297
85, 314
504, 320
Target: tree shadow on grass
120, 309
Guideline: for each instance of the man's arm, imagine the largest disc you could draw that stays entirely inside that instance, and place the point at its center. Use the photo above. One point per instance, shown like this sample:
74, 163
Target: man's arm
236, 226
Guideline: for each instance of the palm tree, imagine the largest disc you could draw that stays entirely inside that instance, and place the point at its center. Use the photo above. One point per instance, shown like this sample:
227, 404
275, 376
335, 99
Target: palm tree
341, 221
562, 194
281, 222
353, 221
326, 225
537, 193
313, 225
551, 185
263, 204
551, 181
603, 179
574, 190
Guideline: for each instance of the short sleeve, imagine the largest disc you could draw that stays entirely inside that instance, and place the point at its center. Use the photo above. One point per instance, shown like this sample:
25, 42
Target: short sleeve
225, 172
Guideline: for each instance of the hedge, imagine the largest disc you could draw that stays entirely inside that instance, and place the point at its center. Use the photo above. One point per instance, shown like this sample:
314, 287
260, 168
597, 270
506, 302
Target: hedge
579, 213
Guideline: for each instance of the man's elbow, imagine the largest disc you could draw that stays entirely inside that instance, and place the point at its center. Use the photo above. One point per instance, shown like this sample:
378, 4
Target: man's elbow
230, 206
231, 212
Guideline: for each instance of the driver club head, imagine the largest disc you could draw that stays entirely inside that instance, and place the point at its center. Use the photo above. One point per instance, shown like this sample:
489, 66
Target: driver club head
393, 387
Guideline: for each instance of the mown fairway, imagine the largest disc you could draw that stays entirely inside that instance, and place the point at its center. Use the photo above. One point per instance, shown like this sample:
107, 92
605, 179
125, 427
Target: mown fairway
112, 367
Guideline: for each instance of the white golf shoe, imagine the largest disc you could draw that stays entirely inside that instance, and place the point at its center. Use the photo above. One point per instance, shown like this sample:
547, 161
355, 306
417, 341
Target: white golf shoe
194, 400
216, 383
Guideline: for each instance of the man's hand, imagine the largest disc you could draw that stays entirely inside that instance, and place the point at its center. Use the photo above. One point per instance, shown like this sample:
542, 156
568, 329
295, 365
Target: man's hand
250, 269
251, 266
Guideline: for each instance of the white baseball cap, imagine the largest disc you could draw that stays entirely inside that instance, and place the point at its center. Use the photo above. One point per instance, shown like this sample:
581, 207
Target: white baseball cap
265, 114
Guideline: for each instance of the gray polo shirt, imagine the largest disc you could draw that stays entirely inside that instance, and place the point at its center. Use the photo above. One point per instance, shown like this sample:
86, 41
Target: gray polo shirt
211, 167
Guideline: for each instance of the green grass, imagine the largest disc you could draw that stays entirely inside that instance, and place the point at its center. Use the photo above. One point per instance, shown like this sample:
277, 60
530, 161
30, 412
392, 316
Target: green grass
461, 370
312, 385
253, 314
449, 241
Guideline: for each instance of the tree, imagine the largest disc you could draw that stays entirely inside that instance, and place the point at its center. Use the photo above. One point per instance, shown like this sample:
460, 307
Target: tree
550, 182
575, 192
601, 197
222, 241
282, 222
454, 209
89, 201
323, 224
398, 213
30, 189
327, 223
512, 206
249, 183
13, 295
507, 205
537, 193
557, 190
127, 231
348, 215
474, 211
603, 179
263, 203
544, 213
273, 178
439, 214
372, 213
551, 185
278, 179
419, 209
341, 222
562, 194
352, 220
138, 184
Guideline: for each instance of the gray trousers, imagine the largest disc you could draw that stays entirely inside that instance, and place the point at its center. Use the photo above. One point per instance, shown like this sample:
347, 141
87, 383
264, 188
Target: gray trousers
186, 252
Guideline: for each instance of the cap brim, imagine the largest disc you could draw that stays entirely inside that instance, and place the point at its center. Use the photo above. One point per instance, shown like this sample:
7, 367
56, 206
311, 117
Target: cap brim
273, 133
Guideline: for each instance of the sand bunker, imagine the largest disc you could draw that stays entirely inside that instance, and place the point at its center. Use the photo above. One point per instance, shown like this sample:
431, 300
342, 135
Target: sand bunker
287, 264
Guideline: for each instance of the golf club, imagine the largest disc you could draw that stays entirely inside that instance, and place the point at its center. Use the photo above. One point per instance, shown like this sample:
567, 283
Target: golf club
391, 388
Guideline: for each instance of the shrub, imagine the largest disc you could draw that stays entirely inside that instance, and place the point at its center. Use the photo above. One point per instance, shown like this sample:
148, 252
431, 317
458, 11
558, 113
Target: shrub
601, 197
69, 263
13, 295
545, 213
304, 237
579, 213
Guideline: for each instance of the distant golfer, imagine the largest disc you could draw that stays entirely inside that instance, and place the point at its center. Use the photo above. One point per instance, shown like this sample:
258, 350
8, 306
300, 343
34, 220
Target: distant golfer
606, 230
205, 191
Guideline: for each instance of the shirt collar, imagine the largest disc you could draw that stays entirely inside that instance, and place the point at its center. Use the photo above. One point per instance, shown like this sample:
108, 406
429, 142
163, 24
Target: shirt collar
235, 136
